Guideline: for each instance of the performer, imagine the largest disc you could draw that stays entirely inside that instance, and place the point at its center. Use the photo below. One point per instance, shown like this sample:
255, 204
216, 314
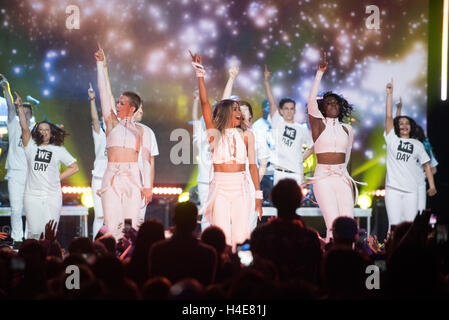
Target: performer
100, 162
122, 189
421, 136
289, 137
403, 179
44, 152
151, 144
228, 203
261, 148
16, 163
333, 143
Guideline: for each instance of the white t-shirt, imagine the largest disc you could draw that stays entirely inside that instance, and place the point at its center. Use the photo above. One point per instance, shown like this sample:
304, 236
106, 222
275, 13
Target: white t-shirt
421, 172
204, 153
15, 159
289, 140
262, 130
402, 156
101, 153
43, 168
154, 150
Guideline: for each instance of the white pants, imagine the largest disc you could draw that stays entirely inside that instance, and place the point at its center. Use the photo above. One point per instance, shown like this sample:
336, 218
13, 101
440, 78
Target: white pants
333, 191
279, 175
39, 211
253, 214
203, 192
16, 188
98, 208
401, 206
422, 196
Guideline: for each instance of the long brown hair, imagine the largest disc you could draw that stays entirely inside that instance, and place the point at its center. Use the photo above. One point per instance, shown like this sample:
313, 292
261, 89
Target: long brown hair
222, 113
56, 138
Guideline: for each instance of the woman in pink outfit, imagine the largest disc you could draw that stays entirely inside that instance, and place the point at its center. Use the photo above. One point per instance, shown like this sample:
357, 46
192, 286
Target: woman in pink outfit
332, 185
122, 190
228, 205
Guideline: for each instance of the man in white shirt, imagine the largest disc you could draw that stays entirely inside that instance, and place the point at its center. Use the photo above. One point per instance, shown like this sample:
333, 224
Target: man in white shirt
16, 164
289, 137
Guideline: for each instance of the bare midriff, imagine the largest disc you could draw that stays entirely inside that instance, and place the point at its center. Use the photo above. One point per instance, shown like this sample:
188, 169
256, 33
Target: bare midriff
120, 154
331, 158
229, 167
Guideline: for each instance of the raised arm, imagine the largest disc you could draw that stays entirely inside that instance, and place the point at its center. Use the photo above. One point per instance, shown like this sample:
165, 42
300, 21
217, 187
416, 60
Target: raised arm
108, 84
389, 108
269, 92
399, 107
26, 134
8, 96
233, 72
196, 102
93, 109
108, 114
315, 115
205, 105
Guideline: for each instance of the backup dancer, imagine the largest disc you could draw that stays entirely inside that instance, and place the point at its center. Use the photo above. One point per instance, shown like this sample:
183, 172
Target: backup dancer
403, 178
122, 191
44, 152
289, 137
228, 204
332, 184
100, 162
16, 162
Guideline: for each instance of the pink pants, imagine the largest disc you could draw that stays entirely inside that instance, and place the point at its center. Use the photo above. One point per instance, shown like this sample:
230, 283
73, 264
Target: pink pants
332, 187
121, 196
228, 206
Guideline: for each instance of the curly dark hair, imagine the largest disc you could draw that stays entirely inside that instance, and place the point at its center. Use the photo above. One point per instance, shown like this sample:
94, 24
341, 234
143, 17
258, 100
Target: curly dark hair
57, 134
345, 107
413, 125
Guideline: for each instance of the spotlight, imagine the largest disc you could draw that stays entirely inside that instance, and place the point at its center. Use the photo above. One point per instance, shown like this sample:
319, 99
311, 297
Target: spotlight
364, 201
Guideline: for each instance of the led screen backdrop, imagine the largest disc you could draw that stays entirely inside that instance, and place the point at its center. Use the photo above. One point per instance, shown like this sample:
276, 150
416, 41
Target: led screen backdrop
146, 43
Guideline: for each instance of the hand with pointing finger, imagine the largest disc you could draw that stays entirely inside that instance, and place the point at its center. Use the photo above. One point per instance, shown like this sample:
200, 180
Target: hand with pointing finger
91, 91
323, 65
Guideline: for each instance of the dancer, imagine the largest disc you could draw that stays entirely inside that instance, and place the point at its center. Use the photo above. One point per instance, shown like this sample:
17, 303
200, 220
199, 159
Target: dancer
122, 189
44, 152
261, 148
150, 144
421, 136
402, 179
228, 203
16, 163
289, 137
333, 143
100, 162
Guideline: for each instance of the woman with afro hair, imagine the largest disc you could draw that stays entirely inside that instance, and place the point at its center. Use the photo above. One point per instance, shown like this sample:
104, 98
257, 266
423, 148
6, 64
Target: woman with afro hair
44, 153
333, 187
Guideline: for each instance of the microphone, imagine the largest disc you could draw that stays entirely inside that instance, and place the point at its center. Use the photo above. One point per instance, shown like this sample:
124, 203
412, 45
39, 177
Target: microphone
31, 99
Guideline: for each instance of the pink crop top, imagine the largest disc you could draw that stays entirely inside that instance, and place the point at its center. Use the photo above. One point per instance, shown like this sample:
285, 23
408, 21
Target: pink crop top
229, 147
125, 134
333, 138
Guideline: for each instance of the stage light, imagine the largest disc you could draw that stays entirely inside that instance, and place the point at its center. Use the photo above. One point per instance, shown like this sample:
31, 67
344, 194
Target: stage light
184, 197
364, 201
444, 55
87, 200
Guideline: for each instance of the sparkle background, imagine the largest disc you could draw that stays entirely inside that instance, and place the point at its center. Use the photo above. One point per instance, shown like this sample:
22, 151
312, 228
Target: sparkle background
146, 44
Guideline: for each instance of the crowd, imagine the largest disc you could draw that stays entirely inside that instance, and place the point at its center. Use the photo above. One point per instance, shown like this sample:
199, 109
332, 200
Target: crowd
289, 261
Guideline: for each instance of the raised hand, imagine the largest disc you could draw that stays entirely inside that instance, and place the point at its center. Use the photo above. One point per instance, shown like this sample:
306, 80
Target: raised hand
91, 91
196, 58
323, 65
3, 80
50, 230
18, 100
233, 72
197, 65
390, 87
99, 55
399, 104
266, 74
